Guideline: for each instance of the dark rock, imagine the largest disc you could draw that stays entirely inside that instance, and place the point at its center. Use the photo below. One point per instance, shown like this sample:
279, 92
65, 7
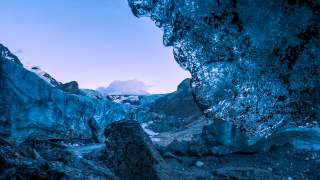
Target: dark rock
179, 103
199, 147
242, 173
4, 142
220, 150
71, 87
19, 164
34, 159
169, 155
131, 154
178, 147
188, 161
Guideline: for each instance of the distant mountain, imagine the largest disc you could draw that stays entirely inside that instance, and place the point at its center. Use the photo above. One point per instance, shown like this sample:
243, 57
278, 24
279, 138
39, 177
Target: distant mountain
130, 87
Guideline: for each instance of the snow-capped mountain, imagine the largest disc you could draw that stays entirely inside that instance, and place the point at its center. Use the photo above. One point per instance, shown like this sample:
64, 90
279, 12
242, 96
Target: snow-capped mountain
129, 87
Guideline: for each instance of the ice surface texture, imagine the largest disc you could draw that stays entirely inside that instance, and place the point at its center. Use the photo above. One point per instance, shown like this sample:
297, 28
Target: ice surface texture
31, 107
254, 63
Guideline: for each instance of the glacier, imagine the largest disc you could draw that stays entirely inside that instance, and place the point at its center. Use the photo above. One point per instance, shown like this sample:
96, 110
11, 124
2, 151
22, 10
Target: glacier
33, 107
254, 64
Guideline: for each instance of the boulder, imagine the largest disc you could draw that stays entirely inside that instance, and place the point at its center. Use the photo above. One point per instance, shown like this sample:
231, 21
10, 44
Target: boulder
179, 103
131, 154
179, 147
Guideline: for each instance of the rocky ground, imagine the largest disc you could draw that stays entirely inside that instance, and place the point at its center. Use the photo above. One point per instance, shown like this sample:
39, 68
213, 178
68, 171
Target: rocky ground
129, 153
282, 162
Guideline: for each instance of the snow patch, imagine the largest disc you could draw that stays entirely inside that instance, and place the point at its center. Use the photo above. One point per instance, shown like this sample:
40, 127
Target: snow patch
148, 131
42, 74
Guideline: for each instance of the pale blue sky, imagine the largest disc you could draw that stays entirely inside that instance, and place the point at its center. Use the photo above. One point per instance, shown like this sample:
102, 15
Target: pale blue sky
91, 41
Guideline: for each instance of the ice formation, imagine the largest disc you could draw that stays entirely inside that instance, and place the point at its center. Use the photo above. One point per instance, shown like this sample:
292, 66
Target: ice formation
32, 107
254, 64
